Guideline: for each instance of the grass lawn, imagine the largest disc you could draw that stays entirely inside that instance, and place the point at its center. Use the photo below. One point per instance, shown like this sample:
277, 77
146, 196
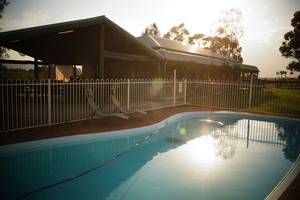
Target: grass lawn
277, 100
264, 99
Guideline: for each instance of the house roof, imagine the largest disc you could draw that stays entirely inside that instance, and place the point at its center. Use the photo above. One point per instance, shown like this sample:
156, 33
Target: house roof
178, 51
180, 47
249, 68
76, 42
185, 57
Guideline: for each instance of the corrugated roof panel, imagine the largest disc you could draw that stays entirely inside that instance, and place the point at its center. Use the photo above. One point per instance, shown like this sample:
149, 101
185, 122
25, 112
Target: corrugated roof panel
149, 41
182, 57
176, 46
178, 51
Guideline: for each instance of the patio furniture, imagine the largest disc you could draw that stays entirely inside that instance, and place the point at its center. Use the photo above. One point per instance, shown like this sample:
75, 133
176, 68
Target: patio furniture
96, 110
121, 108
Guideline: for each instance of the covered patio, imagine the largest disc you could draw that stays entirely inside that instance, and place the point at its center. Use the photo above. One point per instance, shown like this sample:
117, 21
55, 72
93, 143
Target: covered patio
101, 47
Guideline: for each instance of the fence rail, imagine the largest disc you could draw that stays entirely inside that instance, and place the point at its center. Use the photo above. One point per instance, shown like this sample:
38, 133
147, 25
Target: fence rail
26, 104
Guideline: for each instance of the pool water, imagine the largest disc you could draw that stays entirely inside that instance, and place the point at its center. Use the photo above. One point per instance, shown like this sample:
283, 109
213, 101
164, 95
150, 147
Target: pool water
205, 155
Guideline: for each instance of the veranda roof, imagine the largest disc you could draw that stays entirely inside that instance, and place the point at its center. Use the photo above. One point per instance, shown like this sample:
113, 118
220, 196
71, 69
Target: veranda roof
78, 42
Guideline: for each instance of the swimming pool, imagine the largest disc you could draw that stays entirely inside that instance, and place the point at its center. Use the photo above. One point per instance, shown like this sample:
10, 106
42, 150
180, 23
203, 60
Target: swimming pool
197, 155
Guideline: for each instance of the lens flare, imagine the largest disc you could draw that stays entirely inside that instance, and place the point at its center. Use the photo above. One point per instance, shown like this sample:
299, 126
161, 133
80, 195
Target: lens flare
182, 131
155, 88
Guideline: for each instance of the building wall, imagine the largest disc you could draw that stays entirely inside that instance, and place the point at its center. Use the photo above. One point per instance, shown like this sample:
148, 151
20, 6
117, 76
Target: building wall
89, 71
122, 69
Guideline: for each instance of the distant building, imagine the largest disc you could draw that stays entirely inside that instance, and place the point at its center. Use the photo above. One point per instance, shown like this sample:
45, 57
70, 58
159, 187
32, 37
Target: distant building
106, 51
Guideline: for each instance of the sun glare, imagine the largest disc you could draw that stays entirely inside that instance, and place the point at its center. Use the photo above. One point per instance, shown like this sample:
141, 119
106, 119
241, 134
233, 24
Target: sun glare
199, 18
202, 150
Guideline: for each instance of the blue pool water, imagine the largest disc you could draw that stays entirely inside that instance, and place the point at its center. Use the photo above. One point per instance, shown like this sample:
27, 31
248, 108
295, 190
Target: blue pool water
199, 155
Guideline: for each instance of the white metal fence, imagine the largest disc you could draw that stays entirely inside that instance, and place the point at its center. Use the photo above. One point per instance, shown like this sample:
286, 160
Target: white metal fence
26, 104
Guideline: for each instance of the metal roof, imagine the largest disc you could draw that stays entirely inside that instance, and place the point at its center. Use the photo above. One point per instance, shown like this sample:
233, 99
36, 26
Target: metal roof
249, 68
176, 46
178, 56
178, 51
75, 42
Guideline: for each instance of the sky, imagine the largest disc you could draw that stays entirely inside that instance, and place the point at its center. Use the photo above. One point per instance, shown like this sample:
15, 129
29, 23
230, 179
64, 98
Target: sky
264, 21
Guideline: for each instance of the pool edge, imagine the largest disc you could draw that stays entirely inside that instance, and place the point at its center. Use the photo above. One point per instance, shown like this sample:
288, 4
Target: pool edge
285, 182
158, 125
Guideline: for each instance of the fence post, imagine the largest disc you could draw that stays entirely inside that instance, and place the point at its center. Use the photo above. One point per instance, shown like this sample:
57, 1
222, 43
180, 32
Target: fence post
49, 103
185, 91
174, 89
128, 93
250, 92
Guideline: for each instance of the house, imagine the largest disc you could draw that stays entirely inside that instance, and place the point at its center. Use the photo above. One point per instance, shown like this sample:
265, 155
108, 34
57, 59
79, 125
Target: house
106, 51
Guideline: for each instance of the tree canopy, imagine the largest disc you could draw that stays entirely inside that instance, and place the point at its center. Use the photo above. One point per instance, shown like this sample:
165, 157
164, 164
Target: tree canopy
3, 3
290, 48
152, 30
177, 33
228, 32
197, 39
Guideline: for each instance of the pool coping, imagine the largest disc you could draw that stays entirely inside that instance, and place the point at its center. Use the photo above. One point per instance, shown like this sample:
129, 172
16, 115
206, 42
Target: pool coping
285, 182
161, 124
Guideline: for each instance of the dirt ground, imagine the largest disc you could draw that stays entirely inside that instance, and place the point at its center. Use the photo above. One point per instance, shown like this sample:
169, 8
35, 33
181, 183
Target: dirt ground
114, 123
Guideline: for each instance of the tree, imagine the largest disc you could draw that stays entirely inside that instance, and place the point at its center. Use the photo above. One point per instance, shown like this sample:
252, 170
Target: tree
152, 30
197, 39
281, 74
178, 33
230, 24
291, 46
212, 43
228, 32
3, 3
3, 53
218, 44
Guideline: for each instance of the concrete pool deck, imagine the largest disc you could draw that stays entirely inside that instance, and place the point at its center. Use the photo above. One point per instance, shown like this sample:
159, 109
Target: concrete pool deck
114, 123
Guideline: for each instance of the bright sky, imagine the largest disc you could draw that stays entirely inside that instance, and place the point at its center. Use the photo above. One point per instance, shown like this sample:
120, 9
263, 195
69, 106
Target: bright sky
265, 21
